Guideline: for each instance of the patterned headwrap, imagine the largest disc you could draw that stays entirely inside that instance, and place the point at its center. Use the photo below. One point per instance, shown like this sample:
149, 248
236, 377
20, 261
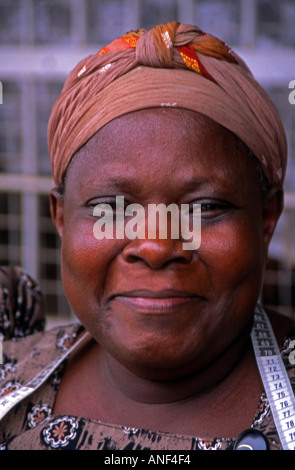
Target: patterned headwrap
171, 65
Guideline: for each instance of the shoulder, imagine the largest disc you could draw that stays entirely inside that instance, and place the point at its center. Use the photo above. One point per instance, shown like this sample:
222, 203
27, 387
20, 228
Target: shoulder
25, 357
59, 336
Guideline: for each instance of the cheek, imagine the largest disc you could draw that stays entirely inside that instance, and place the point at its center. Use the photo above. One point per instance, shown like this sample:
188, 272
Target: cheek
232, 258
233, 254
85, 263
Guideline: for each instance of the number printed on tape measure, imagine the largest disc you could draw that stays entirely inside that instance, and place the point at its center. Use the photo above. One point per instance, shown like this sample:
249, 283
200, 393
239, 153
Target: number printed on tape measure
275, 378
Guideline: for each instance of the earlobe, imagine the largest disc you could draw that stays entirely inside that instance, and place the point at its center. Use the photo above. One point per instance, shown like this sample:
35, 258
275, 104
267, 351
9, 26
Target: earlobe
56, 210
272, 209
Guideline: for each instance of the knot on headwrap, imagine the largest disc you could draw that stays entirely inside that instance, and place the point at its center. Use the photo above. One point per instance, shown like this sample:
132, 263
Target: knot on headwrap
170, 64
155, 47
172, 45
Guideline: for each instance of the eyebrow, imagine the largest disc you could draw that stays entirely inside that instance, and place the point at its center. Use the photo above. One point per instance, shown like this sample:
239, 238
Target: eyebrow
126, 183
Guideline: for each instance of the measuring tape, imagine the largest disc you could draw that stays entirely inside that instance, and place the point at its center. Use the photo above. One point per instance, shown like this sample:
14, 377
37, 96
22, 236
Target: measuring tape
271, 367
275, 378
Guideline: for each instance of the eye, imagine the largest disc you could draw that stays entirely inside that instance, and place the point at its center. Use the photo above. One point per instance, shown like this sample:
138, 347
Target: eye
211, 209
211, 206
103, 210
107, 206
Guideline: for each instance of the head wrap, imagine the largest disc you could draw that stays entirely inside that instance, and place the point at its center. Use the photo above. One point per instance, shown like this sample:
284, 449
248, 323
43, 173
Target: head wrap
171, 65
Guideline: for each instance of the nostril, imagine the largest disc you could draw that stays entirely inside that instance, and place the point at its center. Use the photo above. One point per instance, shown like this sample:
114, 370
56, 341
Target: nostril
156, 253
132, 258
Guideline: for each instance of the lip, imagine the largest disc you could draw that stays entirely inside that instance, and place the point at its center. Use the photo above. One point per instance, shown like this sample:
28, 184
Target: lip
155, 302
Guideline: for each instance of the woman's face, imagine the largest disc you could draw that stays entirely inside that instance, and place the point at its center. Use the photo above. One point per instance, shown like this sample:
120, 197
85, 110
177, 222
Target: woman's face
151, 304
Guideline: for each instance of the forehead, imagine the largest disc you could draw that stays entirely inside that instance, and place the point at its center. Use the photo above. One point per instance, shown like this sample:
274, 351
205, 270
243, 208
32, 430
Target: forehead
159, 142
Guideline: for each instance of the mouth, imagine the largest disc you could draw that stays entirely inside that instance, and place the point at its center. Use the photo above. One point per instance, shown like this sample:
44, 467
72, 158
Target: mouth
149, 301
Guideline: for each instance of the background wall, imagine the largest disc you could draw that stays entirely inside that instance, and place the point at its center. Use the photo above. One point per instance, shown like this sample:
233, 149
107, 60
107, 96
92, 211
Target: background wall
42, 40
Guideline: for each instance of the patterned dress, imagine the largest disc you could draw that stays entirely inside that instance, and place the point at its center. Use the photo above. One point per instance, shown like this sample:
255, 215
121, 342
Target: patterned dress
31, 424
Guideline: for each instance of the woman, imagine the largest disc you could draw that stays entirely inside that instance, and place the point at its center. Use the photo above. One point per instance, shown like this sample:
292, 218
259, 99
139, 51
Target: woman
163, 358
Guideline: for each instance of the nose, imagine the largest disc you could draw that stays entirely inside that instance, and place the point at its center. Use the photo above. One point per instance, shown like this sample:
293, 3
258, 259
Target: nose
156, 253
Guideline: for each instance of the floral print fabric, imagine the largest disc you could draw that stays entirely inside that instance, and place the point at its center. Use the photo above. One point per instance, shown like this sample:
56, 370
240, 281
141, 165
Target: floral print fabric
32, 425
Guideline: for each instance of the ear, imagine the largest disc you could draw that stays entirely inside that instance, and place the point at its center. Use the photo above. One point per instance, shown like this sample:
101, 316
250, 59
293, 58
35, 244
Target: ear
56, 210
272, 208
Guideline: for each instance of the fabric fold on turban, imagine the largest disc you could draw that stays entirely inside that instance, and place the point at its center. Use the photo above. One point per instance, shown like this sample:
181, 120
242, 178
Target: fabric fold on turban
171, 65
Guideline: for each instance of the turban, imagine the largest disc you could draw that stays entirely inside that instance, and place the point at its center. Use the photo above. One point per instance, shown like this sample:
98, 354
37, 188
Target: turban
171, 65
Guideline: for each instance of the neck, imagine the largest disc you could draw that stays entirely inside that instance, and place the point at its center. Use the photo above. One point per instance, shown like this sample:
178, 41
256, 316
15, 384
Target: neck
115, 394
156, 388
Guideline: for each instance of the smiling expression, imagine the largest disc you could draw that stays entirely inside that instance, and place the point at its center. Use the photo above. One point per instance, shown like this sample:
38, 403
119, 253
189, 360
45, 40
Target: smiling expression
149, 303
